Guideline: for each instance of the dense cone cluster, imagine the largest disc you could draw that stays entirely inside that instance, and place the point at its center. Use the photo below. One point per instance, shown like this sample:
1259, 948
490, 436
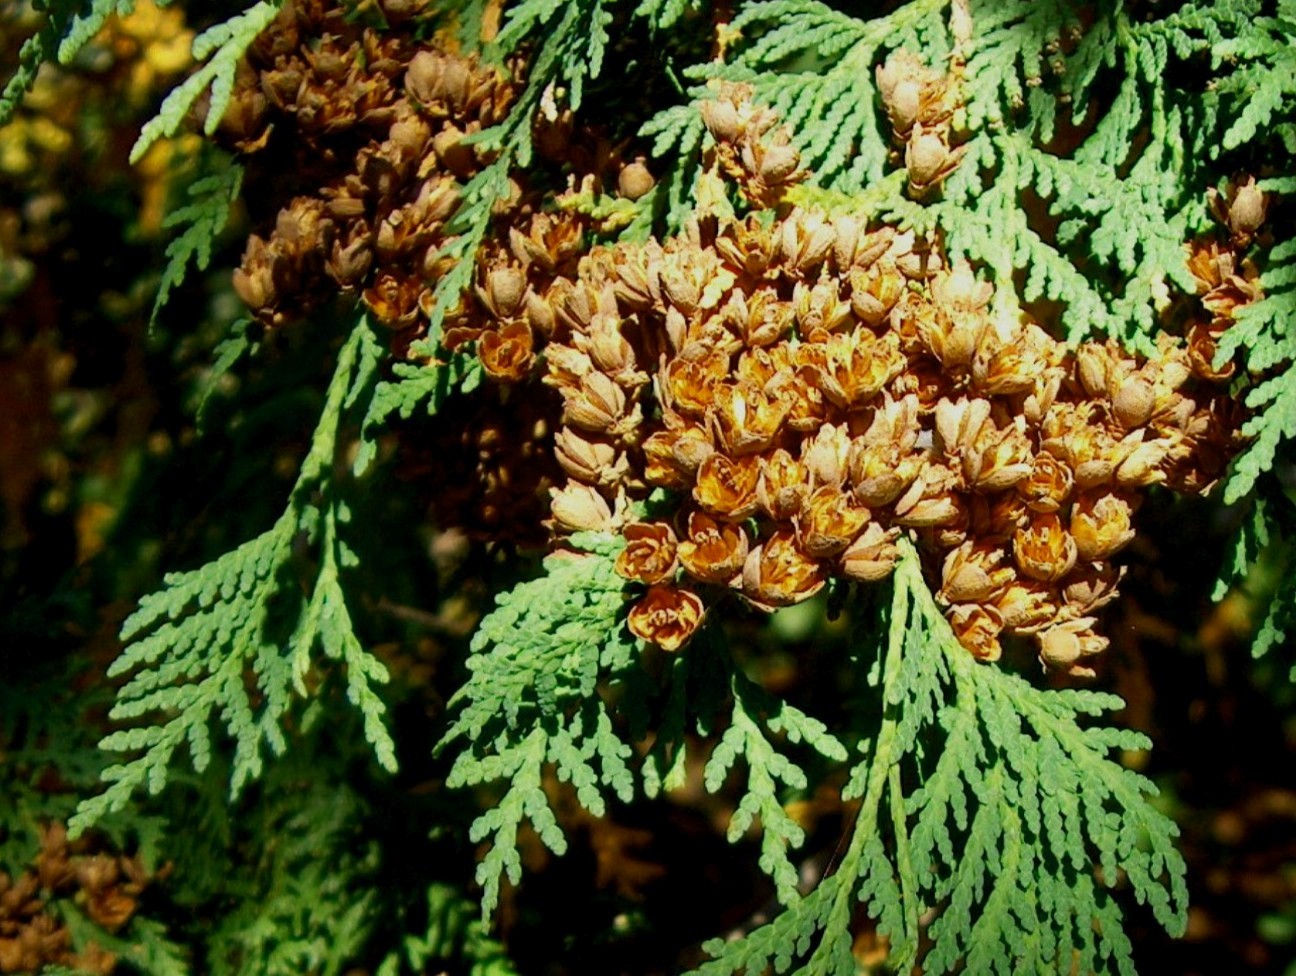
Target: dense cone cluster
374, 127
807, 388
921, 105
106, 888
819, 387
1226, 280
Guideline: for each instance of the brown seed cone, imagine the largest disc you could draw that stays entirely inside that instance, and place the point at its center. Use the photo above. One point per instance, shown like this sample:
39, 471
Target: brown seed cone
828, 522
1048, 487
973, 573
1044, 551
783, 485
744, 419
726, 487
579, 508
778, 574
1064, 645
649, 554
1101, 525
1026, 606
507, 354
978, 628
590, 459
872, 556
667, 616
713, 552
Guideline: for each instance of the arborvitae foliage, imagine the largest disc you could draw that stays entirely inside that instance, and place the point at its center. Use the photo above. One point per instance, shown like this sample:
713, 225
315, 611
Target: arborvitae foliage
203, 219
1000, 818
193, 642
532, 702
469, 187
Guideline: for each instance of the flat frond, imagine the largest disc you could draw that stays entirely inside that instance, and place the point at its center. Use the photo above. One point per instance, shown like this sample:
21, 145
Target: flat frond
778, 945
415, 386
662, 15
1014, 43
311, 898
68, 28
144, 944
1017, 810
1274, 423
200, 222
532, 703
453, 929
1263, 334
1278, 621
87, 23
233, 640
768, 772
676, 135
1116, 200
220, 48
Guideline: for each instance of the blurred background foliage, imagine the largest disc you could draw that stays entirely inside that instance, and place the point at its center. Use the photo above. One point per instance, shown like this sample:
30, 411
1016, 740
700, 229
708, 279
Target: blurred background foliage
107, 478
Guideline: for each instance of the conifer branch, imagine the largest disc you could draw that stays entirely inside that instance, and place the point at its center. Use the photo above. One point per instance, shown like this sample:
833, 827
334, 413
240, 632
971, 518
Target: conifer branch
1061, 166
222, 48
1016, 807
69, 26
532, 703
202, 219
235, 638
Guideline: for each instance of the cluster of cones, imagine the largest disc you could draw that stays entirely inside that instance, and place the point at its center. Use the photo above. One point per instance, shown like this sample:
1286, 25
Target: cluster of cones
369, 130
820, 387
365, 132
807, 388
106, 888
1227, 281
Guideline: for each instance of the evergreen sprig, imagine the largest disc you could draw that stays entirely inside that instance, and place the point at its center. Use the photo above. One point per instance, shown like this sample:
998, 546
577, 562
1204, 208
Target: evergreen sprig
1263, 84
1263, 335
1253, 101
200, 221
414, 386
982, 796
144, 944
532, 701
770, 774
543, 661
662, 15
236, 638
1010, 822
312, 901
39, 725
68, 27
221, 48
454, 930
1120, 206
993, 832
1259, 561
675, 136
814, 66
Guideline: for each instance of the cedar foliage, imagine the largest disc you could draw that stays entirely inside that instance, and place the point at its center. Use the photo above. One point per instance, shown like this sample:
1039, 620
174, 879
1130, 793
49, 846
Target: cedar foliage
992, 828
